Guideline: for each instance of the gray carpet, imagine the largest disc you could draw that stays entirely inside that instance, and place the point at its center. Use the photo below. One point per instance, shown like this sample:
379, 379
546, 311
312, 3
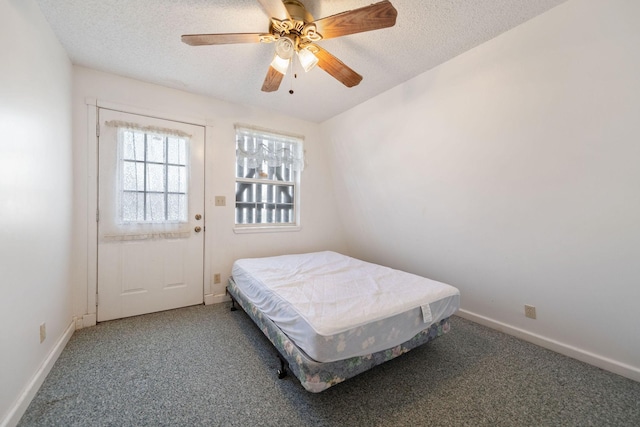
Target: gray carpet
207, 366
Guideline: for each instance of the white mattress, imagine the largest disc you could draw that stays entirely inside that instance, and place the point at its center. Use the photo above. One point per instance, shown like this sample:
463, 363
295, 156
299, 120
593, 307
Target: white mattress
335, 307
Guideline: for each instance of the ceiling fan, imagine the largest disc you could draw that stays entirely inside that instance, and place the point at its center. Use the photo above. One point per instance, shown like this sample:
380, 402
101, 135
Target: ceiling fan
295, 33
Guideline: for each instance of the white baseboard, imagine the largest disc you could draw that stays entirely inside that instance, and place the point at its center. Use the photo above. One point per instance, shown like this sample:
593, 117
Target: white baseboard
89, 320
20, 406
215, 299
602, 362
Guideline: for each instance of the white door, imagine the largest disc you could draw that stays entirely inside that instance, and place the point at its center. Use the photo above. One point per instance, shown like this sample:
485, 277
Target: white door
151, 214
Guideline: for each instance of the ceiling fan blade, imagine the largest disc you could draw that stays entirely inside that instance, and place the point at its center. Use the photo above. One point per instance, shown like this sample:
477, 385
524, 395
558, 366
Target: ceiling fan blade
368, 18
336, 68
272, 80
275, 9
230, 38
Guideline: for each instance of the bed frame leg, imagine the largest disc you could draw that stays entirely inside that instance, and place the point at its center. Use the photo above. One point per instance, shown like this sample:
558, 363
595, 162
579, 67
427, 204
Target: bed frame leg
233, 304
282, 372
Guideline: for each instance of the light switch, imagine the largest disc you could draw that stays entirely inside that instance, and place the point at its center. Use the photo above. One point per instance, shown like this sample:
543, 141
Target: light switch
220, 201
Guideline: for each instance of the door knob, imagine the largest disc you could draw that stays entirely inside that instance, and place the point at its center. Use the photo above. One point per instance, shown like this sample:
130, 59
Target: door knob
197, 229
198, 216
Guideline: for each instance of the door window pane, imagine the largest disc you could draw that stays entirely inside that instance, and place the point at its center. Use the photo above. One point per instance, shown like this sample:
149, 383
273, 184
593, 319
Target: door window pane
176, 206
133, 207
155, 177
155, 148
176, 179
132, 176
177, 151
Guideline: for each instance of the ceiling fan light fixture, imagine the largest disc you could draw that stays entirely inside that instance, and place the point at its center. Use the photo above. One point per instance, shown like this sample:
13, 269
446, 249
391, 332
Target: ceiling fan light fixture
280, 64
307, 59
285, 48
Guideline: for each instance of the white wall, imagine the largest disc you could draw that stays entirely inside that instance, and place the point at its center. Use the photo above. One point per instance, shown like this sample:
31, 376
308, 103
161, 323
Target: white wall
321, 229
512, 172
35, 199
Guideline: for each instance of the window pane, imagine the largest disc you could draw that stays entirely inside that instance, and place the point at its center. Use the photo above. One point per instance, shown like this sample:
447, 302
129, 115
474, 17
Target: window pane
133, 176
128, 151
284, 194
176, 179
155, 178
155, 148
155, 207
177, 151
176, 207
133, 145
132, 207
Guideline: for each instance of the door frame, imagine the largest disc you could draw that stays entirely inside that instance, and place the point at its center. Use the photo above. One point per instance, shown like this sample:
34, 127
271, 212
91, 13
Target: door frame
93, 126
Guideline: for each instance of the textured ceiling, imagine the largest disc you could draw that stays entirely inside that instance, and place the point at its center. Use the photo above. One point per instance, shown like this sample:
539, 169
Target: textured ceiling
141, 39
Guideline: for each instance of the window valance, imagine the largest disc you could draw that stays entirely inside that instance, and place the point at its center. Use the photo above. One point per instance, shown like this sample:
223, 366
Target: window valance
147, 129
256, 147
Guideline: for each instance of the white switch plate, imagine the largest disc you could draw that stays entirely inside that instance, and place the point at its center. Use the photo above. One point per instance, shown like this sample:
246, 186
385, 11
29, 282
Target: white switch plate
221, 201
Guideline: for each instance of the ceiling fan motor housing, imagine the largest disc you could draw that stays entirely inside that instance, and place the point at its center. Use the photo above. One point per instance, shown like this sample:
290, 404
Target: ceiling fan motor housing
297, 11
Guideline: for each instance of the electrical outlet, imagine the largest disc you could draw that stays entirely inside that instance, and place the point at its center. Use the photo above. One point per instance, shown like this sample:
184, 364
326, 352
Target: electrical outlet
530, 311
221, 201
43, 332
216, 278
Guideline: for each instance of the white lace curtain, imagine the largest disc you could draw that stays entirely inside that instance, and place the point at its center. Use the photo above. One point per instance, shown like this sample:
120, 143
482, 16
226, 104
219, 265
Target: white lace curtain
144, 185
256, 147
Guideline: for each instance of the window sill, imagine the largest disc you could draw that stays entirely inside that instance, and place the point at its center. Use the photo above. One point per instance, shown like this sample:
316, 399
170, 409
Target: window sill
239, 229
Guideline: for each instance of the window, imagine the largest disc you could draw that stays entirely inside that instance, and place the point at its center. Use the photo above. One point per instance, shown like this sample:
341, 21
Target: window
153, 177
268, 167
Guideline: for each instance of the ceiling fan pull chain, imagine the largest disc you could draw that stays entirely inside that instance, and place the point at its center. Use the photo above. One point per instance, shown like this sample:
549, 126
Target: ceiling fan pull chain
294, 76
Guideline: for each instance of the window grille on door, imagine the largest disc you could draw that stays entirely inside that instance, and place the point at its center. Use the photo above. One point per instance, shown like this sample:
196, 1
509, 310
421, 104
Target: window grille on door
153, 177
